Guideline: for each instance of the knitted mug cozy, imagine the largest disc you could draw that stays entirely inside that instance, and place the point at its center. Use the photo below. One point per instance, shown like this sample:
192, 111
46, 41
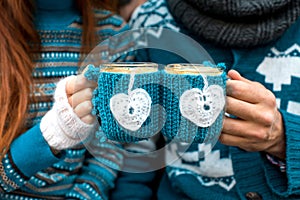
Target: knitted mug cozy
193, 97
124, 100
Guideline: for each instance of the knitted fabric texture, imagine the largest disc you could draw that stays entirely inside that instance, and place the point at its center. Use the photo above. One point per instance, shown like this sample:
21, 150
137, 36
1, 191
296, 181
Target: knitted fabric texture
110, 84
177, 127
236, 23
251, 171
29, 170
61, 127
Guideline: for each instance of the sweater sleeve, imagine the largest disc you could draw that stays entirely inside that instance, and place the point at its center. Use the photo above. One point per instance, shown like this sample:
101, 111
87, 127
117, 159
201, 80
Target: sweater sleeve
99, 172
287, 184
139, 177
134, 186
28, 154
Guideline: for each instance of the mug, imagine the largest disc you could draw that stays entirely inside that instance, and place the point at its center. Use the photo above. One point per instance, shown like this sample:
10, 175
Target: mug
124, 101
193, 97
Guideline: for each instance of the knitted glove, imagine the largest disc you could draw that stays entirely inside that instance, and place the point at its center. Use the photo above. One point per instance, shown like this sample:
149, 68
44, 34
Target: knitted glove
61, 127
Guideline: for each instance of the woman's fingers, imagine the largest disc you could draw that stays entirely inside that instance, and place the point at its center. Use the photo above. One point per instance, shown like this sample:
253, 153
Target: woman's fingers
79, 91
88, 119
83, 109
80, 96
78, 83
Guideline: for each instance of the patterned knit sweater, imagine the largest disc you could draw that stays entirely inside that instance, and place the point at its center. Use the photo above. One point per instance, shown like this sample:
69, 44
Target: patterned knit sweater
226, 172
29, 170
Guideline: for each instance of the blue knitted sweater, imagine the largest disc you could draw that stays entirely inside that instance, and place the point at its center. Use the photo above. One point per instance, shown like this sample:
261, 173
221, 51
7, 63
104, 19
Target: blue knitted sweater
227, 172
29, 170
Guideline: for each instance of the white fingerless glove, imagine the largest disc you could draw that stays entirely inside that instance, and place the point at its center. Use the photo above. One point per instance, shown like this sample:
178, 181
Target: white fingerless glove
61, 127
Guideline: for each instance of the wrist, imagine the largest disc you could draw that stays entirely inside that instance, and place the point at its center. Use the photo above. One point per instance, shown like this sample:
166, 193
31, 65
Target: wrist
278, 149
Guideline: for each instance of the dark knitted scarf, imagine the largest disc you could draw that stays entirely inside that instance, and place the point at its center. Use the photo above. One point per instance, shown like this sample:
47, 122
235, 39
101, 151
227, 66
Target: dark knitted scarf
236, 23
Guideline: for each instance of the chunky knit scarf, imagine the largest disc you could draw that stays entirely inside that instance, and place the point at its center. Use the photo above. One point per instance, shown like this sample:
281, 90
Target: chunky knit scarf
236, 23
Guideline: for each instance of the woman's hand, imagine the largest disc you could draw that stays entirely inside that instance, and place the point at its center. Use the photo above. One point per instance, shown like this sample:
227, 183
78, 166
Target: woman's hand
258, 125
70, 122
80, 92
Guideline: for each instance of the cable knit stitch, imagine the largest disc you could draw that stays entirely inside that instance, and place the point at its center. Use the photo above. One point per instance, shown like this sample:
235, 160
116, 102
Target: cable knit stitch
214, 20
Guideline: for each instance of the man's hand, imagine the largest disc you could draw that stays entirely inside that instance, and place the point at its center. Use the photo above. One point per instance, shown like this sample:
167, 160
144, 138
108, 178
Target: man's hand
258, 125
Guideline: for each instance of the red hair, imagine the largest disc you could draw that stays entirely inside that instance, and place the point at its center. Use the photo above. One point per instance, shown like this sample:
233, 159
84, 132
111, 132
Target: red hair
18, 40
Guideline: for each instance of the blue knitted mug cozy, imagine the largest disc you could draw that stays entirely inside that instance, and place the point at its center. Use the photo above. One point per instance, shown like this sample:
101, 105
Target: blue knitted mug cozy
194, 105
113, 117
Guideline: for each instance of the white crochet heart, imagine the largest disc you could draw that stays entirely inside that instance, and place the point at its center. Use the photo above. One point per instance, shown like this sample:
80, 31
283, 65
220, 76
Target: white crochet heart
202, 107
132, 110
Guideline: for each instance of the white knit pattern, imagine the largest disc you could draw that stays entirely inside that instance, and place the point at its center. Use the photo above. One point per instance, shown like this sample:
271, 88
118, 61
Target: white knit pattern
131, 110
61, 127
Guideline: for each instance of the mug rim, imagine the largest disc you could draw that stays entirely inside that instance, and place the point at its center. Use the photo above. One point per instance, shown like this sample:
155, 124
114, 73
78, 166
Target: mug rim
129, 67
193, 69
